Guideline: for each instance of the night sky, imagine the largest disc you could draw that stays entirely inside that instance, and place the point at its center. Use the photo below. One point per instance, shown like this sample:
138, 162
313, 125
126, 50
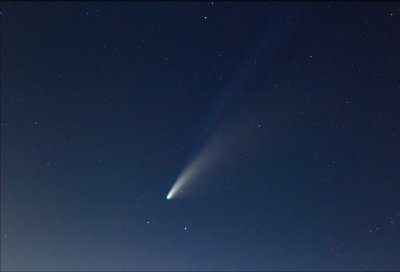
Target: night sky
283, 118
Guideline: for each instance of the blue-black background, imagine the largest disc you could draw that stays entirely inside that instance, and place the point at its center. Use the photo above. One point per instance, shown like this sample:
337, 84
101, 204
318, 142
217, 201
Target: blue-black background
103, 104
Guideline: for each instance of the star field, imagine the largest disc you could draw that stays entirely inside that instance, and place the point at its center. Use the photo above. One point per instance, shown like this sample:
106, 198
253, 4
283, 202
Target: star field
285, 113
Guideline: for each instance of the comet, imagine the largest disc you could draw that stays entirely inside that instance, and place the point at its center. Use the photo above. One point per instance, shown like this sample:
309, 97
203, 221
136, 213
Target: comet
203, 161
217, 148
222, 142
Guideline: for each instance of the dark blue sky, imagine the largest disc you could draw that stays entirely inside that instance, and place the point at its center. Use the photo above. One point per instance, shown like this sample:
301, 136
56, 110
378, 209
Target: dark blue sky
104, 104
